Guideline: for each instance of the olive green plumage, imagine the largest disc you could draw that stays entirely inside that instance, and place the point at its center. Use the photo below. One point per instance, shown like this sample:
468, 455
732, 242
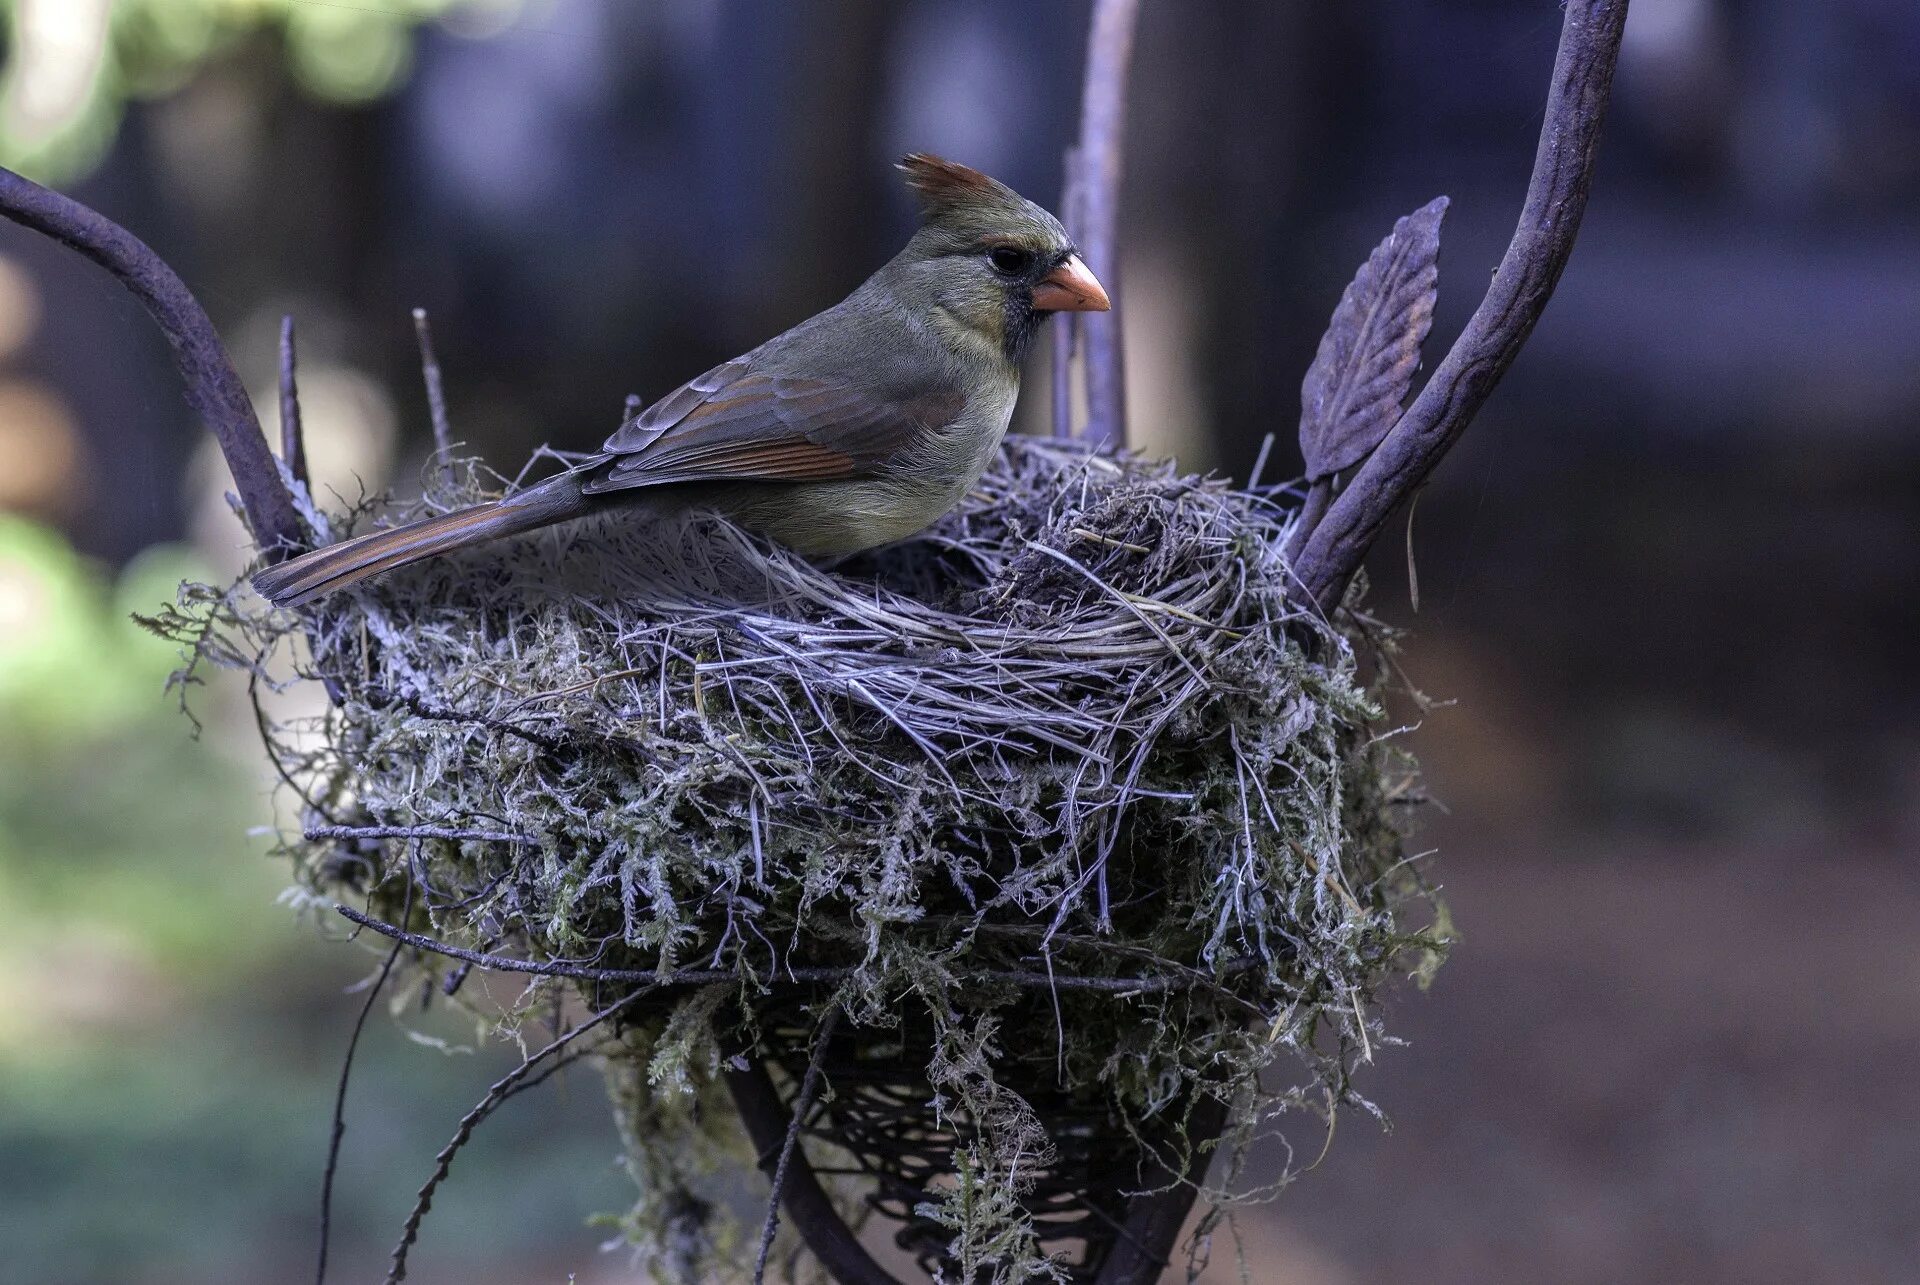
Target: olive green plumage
858, 427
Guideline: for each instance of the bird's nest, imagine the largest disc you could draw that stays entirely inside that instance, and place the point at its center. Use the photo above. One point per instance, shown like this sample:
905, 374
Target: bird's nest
1080, 832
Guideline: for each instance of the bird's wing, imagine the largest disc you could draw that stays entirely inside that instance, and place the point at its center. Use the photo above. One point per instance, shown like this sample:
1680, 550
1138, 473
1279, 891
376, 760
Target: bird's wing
735, 423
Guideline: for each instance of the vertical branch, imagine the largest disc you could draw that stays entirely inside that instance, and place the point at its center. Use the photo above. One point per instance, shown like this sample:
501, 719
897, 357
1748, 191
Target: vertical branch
1066, 328
436, 394
1556, 198
293, 450
1097, 169
213, 387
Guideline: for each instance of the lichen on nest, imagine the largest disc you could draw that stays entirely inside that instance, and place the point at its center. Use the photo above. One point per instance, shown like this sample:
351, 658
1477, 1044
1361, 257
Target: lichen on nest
1063, 796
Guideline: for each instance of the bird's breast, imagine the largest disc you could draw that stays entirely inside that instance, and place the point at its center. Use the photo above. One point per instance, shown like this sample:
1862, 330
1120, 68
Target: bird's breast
958, 456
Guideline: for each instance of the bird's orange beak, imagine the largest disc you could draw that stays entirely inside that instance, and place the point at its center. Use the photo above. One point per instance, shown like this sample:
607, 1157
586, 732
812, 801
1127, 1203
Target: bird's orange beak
1070, 288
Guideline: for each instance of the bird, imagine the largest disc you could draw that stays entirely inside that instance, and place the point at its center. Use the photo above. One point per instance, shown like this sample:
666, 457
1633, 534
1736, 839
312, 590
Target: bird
859, 427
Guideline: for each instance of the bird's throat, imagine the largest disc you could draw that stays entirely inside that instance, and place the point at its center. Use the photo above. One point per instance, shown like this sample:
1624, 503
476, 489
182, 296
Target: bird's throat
1019, 326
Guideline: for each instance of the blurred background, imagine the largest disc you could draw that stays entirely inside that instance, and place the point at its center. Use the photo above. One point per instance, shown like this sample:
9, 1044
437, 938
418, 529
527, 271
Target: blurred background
1668, 582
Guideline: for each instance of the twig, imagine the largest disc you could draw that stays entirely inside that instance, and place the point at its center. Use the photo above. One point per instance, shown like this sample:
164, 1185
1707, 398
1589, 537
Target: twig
501, 1090
554, 1068
411, 832
1556, 198
1260, 463
451, 984
654, 979
1103, 118
213, 387
802, 1103
437, 713
646, 978
812, 1210
1082, 533
340, 1093
436, 394
1106, 946
293, 451
1188, 979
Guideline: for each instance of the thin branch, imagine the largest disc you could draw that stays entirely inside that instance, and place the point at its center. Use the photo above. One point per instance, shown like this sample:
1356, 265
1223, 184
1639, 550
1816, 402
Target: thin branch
1103, 118
213, 387
559, 1064
1185, 979
802, 1104
293, 450
654, 979
646, 978
502, 1089
451, 984
438, 713
807, 1203
436, 394
339, 1130
1556, 199
313, 832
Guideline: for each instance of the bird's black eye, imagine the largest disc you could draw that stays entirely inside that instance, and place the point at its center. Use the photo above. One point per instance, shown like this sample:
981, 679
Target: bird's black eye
1010, 259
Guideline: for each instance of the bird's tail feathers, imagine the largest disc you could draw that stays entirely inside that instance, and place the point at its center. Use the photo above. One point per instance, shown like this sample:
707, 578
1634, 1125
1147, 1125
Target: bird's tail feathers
313, 575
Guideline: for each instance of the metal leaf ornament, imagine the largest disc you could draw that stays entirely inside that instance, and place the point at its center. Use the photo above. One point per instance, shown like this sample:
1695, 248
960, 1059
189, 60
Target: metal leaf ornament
1354, 390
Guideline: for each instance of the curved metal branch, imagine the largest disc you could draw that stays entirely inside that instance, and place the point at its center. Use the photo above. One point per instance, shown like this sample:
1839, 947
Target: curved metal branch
213, 387
1556, 198
1154, 1220
1095, 206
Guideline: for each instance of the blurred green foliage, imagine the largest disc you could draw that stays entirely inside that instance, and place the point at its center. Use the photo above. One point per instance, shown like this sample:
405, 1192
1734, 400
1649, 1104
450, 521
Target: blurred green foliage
169, 1037
71, 662
72, 65
96, 764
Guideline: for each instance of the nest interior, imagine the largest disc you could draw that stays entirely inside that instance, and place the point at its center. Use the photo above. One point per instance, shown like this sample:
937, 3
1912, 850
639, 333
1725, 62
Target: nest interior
1077, 825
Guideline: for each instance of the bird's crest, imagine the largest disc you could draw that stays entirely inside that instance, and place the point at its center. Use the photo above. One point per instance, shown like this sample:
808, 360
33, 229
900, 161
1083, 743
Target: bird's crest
943, 185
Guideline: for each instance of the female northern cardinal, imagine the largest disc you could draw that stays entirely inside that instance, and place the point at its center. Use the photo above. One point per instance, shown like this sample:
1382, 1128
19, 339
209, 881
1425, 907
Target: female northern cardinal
859, 426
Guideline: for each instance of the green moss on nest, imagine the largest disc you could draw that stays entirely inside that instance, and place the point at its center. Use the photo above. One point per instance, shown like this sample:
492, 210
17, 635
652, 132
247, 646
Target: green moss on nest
1071, 733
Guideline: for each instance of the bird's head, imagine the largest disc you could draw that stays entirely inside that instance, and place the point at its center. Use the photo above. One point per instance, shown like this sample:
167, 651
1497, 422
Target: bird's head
986, 259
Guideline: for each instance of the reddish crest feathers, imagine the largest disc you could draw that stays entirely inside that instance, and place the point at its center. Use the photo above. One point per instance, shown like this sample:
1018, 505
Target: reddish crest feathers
947, 185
